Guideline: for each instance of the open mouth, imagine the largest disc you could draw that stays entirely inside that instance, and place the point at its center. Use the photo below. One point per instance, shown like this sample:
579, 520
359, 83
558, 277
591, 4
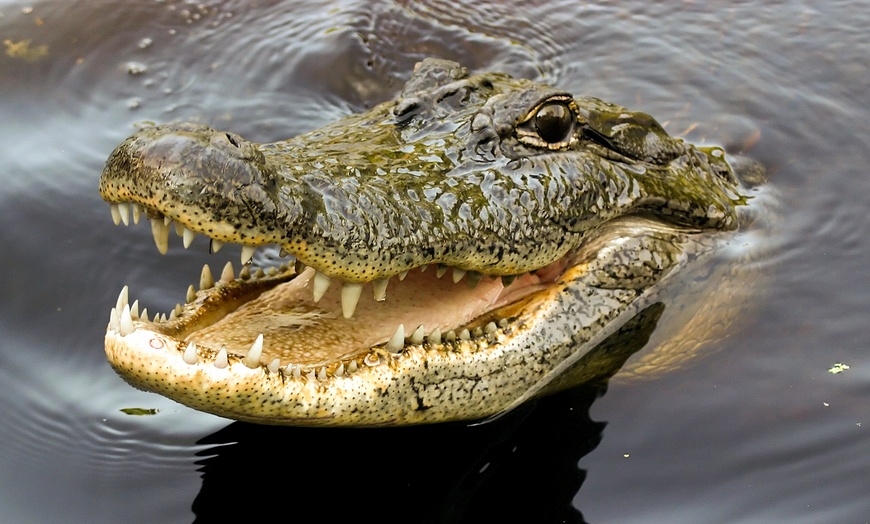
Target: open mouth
297, 322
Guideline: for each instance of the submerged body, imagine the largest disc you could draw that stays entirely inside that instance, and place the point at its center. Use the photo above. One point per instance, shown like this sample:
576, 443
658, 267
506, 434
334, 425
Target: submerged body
563, 216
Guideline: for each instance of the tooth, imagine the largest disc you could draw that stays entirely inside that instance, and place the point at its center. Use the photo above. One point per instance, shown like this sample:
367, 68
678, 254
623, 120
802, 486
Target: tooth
144, 315
161, 317
191, 294
166, 221
380, 287
122, 298
114, 322
441, 271
299, 267
259, 273
402, 275
417, 335
321, 284
503, 323
272, 271
507, 280
173, 315
245, 273
274, 366
187, 237
228, 275
339, 371
222, 359
397, 342
321, 375
116, 213
464, 335
252, 359
126, 322
349, 298
458, 274
311, 377
473, 279
137, 212
134, 310
160, 231
179, 229
190, 353
283, 253
297, 371
423, 268
205, 279
352, 367
214, 246
124, 210
247, 253
450, 336
178, 309
283, 268
478, 331
435, 336
491, 328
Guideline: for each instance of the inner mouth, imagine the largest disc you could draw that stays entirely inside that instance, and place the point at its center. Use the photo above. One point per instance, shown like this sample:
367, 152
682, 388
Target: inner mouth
295, 319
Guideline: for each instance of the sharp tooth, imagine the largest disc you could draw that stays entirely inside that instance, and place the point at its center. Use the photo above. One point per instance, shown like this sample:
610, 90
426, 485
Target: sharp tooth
402, 275
397, 341
311, 377
503, 323
424, 267
222, 359
124, 210
321, 284
116, 213
259, 273
205, 279
441, 271
473, 279
252, 359
435, 336
179, 229
350, 293
228, 275
274, 365
122, 298
134, 310
173, 315
245, 273
126, 321
114, 322
144, 316
321, 375
137, 212
417, 335
464, 335
353, 367
160, 231
458, 274
491, 328
380, 287
297, 371
339, 371
450, 336
187, 237
190, 353
283, 253
507, 280
478, 331
191, 294
178, 309
214, 246
299, 267
247, 253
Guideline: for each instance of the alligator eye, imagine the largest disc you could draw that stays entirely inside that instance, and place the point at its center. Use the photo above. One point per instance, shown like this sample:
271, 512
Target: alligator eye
554, 121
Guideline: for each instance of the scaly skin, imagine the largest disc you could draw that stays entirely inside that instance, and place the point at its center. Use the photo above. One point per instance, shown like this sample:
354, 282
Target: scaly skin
490, 175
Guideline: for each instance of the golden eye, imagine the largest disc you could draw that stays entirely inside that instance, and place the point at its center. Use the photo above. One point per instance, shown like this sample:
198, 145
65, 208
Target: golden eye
554, 122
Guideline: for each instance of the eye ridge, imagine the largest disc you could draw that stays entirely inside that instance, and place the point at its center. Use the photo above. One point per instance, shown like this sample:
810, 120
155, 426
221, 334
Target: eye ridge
554, 122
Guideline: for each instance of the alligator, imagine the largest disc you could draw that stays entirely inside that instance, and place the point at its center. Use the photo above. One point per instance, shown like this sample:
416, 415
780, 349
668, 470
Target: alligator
449, 254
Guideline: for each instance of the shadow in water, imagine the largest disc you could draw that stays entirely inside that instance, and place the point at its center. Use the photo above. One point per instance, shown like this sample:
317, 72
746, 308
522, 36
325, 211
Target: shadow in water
518, 468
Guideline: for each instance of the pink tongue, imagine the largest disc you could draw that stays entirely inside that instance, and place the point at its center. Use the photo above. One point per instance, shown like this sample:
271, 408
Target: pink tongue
297, 330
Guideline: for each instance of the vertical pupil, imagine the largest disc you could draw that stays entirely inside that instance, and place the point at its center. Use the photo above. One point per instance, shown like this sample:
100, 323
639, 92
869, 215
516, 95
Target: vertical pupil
554, 122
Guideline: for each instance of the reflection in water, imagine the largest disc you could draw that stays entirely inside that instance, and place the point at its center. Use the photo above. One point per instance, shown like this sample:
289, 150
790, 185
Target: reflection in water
521, 467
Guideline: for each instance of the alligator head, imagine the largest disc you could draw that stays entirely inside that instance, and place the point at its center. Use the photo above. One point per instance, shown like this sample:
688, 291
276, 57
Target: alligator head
454, 250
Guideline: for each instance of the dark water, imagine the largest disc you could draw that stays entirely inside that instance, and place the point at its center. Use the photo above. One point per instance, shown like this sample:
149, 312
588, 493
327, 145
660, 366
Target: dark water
758, 431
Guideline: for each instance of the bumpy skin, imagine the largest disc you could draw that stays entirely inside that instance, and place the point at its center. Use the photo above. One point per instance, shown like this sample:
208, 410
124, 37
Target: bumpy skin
465, 171
441, 174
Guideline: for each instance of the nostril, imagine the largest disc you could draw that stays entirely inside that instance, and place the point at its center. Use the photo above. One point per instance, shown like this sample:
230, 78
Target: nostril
232, 140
